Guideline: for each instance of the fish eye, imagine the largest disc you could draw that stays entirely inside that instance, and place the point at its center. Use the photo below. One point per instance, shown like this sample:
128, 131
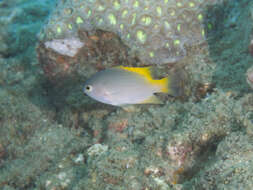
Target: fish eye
88, 88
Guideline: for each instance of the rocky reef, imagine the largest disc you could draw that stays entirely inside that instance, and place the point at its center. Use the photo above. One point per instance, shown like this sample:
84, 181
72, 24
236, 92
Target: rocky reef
54, 137
157, 31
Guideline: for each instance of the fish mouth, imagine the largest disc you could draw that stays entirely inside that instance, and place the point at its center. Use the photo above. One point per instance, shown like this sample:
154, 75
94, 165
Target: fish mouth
84, 92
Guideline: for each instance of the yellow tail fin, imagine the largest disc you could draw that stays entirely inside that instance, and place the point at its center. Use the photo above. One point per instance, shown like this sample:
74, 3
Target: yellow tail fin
174, 84
164, 84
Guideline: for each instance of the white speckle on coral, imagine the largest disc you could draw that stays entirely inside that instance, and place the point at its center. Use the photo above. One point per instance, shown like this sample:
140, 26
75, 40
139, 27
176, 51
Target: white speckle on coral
62, 175
161, 183
65, 183
48, 182
79, 158
97, 149
60, 166
67, 46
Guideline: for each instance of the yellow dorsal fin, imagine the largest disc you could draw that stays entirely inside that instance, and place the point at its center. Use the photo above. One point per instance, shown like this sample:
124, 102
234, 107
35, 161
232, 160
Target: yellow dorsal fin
144, 71
163, 84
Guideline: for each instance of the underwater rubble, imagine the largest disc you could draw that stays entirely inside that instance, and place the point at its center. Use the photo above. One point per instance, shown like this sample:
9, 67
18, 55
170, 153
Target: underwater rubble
54, 137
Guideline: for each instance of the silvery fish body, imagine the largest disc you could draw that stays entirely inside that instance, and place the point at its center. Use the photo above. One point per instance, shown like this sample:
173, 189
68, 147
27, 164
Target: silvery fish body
119, 86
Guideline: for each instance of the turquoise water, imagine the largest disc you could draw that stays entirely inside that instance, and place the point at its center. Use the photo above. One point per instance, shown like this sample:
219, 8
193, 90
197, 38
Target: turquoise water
53, 136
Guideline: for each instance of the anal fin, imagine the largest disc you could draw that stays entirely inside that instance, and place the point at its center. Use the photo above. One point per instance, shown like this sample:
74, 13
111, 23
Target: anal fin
152, 100
130, 108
